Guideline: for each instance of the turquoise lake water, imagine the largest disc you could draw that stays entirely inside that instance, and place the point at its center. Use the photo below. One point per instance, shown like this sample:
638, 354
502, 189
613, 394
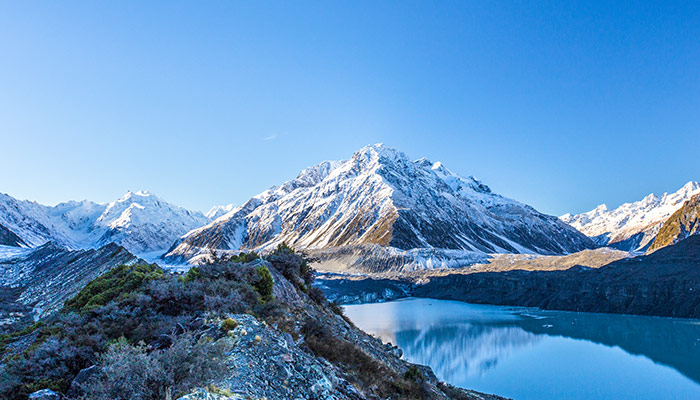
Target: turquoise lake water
525, 353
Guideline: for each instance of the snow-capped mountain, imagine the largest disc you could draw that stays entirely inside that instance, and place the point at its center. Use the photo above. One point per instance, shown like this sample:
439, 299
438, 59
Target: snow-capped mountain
381, 197
140, 221
631, 226
217, 211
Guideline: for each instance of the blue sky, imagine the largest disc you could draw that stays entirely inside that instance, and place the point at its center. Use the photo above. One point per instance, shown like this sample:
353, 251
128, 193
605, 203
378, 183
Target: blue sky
562, 105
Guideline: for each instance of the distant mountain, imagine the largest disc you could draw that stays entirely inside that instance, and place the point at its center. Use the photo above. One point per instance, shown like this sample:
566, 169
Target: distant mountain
380, 197
217, 211
36, 283
632, 226
683, 223
140, 221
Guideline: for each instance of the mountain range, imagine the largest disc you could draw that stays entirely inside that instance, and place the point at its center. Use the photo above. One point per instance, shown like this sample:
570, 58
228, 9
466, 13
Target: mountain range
631, 226
139, 221
379, 207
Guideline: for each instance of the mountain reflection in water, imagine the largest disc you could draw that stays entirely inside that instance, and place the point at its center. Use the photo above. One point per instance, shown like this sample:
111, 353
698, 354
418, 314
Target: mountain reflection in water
489, 347
480, 347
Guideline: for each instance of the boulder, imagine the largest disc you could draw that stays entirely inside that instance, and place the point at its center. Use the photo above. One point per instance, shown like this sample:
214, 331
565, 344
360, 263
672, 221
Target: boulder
45, 394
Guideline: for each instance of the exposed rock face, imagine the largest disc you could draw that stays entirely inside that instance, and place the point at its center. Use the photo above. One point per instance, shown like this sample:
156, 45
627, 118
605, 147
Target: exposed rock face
265, 364
632, 226
9, 238
664, 283
38, 283
380, 197
683, 223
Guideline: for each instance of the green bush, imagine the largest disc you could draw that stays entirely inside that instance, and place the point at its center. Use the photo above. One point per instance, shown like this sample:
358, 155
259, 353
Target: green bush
192, 275
228, 324
264, 284
245, 257
120, 281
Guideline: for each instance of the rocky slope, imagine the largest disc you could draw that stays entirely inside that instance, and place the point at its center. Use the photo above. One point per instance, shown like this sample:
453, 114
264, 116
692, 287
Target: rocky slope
36, 284
9, 238
631, 226
664, 283
202, 344
380, 197
140, 221
680, 225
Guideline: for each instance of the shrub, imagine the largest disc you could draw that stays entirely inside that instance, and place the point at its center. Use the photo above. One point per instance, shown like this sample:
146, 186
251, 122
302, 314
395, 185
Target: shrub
130, 372
115, 283
265, 283
245, 257
193, 274
292, 266
362, 368
317, 295
229, 324
414, 374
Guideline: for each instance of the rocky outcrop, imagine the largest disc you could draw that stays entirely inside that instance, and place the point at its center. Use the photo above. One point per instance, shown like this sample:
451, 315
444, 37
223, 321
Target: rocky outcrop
683, 223
265, 363
45, 394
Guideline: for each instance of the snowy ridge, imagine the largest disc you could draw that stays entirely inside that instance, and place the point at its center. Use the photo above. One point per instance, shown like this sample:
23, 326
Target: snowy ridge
631, 226
381, 197
217, 211
140, 221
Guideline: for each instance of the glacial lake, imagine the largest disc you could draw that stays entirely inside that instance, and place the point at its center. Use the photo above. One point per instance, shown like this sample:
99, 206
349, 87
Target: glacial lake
526, 353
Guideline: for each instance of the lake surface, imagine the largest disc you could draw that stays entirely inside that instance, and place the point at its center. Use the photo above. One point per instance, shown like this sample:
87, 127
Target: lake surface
526, 353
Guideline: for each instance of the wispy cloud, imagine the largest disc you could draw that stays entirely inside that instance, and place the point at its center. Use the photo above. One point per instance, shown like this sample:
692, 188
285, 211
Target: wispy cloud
271, 137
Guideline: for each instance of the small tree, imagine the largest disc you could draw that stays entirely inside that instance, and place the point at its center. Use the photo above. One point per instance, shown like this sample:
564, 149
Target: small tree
264, 284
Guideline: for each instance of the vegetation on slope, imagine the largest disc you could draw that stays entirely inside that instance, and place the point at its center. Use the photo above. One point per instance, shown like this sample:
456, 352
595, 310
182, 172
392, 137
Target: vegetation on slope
145, 334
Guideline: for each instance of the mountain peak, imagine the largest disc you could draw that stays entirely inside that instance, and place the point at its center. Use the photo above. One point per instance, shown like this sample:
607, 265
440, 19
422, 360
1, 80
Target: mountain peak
130, 195
379, 152
690, 187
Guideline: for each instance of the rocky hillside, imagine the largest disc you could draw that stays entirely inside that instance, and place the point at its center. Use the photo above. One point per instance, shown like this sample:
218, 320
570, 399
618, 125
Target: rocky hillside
380, 197
36, 284
9, 238
631, 226
239, 328
683, 223
664, 283
139, 221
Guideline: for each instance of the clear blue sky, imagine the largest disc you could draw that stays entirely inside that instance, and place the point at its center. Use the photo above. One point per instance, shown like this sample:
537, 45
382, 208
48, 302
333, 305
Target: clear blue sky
557, 104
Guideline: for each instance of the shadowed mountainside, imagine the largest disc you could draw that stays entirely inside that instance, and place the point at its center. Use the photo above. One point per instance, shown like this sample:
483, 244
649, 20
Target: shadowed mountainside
664, 283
